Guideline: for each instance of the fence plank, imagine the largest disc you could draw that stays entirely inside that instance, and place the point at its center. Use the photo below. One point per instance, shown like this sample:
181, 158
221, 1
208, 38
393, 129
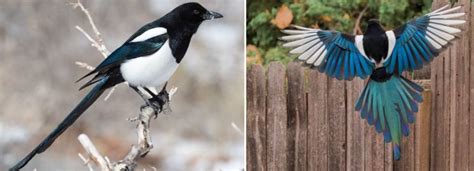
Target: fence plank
297, 118
440, 120
471, 97
256, 133
337, 124
407, 161
422, 134
276, 118
355, 127
317, 121
378, 150
461, 103
388, 165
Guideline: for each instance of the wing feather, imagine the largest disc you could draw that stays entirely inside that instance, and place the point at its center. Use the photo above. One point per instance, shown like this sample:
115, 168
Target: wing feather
422, 39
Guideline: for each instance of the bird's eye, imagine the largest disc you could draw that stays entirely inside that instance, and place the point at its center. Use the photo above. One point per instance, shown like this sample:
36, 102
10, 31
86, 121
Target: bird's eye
196, 12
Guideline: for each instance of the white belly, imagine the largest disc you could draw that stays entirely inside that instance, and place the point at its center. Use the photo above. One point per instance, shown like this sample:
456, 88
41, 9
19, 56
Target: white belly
153, 70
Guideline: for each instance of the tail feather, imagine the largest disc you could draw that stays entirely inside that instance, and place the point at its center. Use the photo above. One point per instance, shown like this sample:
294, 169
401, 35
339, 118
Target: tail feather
85, 103
390, 105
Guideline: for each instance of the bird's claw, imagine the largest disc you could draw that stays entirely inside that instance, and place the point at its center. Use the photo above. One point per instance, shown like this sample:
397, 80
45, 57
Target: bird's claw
159, 103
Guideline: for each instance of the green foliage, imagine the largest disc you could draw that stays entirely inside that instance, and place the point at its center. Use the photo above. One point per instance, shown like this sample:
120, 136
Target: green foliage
340, 15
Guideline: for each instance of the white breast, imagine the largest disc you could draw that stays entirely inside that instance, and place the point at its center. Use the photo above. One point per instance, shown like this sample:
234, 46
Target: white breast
153, 70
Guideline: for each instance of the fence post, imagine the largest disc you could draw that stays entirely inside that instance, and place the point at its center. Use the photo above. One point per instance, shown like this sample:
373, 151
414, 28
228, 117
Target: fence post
276, 118
256, 132
317, 121
297, 118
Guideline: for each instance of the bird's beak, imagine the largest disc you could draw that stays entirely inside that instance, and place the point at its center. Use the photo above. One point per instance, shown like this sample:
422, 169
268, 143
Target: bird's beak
210, 15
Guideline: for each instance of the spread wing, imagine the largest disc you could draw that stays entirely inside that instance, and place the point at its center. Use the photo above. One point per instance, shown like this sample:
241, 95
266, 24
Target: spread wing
333, 53
143, 45
417, 42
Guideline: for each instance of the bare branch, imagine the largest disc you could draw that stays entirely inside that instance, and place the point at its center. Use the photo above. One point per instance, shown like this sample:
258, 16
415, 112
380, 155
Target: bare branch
100, 47
86, 162
85, 65
92, 152
100, 42
357, 23
236, 128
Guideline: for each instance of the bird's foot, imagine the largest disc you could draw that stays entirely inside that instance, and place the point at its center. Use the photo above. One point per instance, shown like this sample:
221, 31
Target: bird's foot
161, 101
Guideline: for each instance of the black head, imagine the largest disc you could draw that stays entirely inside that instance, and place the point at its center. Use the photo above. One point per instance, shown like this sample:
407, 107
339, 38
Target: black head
374, 21
373, 26
194, 13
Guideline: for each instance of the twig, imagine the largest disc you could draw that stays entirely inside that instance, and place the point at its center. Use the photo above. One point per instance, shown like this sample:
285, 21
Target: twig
86, 161
84, 65
92, 152
98, 44
357, 23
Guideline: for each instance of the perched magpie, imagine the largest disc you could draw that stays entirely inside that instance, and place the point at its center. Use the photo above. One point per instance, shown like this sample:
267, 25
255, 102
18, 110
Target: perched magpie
147, 59
388, 100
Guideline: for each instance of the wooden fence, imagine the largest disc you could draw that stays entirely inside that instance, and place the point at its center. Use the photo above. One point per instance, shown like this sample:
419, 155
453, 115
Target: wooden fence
452, 75
299, 119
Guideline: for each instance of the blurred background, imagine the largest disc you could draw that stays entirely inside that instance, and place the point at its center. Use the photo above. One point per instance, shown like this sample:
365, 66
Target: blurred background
265, 19
38, 50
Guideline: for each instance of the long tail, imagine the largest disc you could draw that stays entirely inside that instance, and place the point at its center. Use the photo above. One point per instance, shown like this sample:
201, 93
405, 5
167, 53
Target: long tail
391, 106
87, 101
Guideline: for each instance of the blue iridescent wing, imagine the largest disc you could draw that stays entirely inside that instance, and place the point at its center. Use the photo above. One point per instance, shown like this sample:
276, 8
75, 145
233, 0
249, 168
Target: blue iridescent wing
333, 53
417, 42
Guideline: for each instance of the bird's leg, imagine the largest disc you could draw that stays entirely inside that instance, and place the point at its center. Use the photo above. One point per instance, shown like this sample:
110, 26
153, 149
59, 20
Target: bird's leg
162, 98
147, 101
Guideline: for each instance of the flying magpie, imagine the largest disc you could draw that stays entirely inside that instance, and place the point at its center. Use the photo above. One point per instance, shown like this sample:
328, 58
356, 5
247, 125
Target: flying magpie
147, 59
388, 100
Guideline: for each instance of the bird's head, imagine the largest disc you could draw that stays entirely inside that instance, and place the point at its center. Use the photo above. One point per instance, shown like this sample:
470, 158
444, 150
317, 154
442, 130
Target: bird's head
373, 26
194, 13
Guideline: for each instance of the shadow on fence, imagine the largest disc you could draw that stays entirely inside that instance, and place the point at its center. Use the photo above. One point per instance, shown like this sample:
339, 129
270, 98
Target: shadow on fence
299, 119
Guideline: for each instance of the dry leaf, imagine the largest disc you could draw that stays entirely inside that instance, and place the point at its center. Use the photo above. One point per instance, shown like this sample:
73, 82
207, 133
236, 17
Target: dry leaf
283, 18
326, 18
256, 57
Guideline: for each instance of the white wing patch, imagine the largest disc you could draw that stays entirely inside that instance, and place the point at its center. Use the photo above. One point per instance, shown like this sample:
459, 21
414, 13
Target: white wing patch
305, 42
360, 44
149, 34
439, 31
391, 44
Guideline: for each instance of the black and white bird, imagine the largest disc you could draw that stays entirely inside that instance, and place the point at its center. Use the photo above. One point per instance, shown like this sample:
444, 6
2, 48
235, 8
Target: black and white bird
389, 100
147, 59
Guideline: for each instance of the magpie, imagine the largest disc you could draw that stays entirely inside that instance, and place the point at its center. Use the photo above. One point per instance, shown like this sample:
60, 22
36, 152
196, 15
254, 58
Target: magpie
388, 100
147, 59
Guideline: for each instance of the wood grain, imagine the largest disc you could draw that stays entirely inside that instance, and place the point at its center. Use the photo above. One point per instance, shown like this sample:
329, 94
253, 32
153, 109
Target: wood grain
336, 124
297, 118
256, 132
276, 118
317, 121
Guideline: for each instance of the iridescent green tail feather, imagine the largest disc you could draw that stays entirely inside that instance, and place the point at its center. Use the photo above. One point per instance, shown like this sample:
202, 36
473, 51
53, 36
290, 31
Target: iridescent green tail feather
390, 105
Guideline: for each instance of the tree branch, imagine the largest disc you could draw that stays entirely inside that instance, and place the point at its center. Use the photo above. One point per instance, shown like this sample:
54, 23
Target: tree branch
99, 43
357, 23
